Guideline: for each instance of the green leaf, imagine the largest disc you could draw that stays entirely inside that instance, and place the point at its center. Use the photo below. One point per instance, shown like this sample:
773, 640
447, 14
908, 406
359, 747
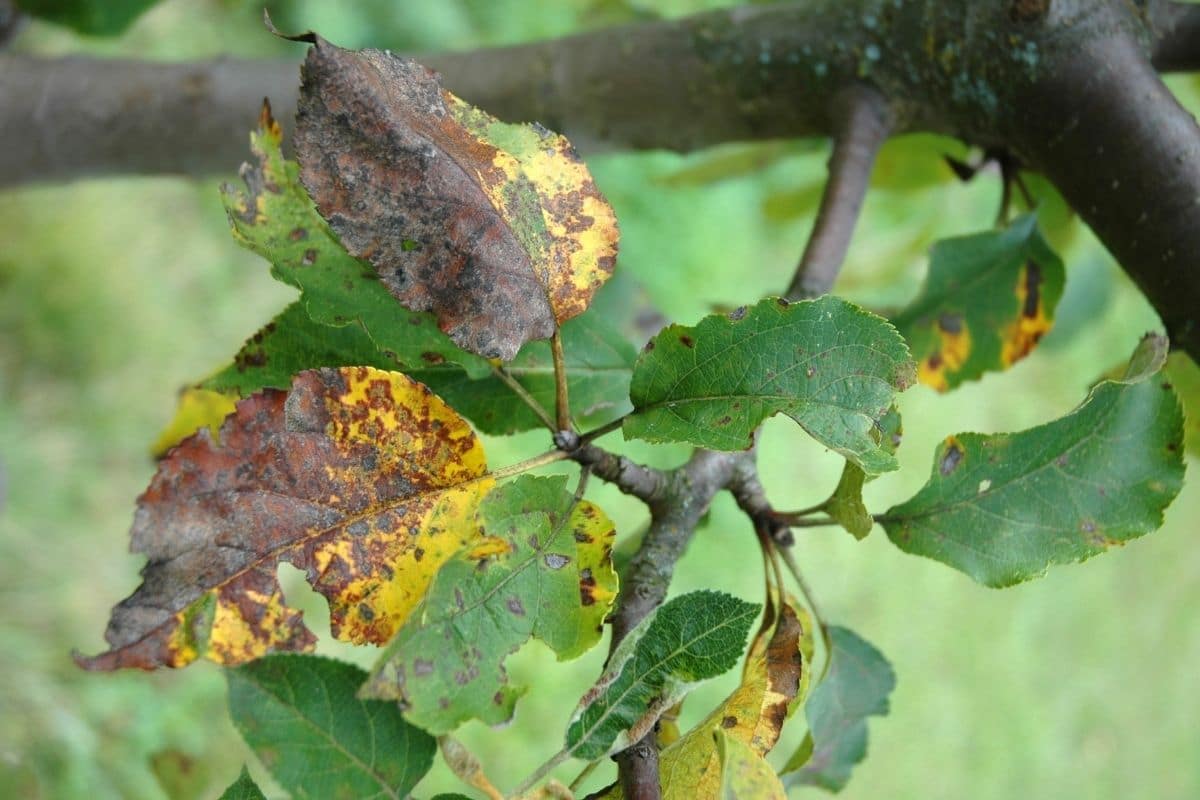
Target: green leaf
857, 683
599, 364
692, 638
744, 773
93, 17
544, 571
292, 343
275, 218
244, 788
1184, 375
826, 363
846, 506
1002, 508
987, 301
300, 716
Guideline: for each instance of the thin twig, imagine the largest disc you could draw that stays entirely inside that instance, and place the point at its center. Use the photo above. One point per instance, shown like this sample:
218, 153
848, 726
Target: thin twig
520, 391
603, 430
562, 405
863, 120
528, 464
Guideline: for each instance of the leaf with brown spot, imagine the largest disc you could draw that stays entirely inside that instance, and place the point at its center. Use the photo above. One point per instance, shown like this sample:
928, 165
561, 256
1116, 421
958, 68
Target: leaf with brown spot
987, 301
1004, 507
362, 478
599, 364
498, 229
274, 217
774, 682
548, 576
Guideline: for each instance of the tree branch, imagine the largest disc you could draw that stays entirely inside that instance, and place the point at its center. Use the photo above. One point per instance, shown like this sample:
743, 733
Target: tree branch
861, 117
1177, 30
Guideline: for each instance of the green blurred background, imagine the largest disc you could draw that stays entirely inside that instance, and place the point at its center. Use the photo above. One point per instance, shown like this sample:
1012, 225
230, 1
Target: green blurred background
114, 293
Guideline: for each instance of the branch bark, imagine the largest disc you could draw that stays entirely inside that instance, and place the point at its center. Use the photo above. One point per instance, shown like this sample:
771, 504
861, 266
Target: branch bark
862, 122
1066, 85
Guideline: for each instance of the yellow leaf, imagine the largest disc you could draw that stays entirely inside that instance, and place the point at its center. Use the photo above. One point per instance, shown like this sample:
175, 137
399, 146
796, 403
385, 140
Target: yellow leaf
772, 682
362, 478
197, 408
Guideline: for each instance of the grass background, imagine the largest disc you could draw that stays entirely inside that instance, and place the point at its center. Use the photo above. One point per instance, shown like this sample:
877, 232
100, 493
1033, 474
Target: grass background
114, 293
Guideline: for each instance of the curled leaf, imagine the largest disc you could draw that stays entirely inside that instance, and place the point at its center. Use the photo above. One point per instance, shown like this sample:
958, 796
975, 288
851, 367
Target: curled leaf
274, 217
857, 683
498, 229
363, 479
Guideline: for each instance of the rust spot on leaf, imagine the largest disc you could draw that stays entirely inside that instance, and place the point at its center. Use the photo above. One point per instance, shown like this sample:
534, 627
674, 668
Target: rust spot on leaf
952, 456
514, 605
503, 245
729, 722
298, 234
687, 341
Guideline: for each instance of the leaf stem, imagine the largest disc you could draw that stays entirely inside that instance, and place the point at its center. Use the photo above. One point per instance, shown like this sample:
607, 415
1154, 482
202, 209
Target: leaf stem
530, 463
520, 391
562, 405
603, 430
541, 772
582, 776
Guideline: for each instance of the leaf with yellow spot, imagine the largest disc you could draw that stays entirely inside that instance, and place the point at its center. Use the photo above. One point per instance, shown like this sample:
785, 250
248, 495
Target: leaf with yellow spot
273, 216
744, 773
1004, 507
498, 229
987, 301
544, 571
196, 409
364, 479
774, 683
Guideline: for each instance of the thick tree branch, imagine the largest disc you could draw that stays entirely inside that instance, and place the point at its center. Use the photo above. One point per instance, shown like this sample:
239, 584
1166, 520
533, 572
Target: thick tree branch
861, 117
1177, 31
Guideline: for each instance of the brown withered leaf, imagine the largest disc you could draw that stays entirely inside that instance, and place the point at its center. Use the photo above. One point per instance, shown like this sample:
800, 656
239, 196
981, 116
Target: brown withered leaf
362, 478
498, 229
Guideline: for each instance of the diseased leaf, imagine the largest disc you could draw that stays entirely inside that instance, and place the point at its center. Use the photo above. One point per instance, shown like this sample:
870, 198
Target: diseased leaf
498, 229
773, 683
543, 571
197, 408
1002, 508
829, 365
292, 343
987, 301
856, 686
744, 773
362, 478
692, 638
274, 217
300, 716
244, 788
599, 364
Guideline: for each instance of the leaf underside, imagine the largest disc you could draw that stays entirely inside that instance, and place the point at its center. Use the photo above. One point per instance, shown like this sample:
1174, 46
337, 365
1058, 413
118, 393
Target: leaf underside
689, 639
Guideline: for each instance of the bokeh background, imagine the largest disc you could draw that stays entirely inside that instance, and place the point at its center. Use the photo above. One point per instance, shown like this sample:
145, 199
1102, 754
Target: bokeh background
115, 293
